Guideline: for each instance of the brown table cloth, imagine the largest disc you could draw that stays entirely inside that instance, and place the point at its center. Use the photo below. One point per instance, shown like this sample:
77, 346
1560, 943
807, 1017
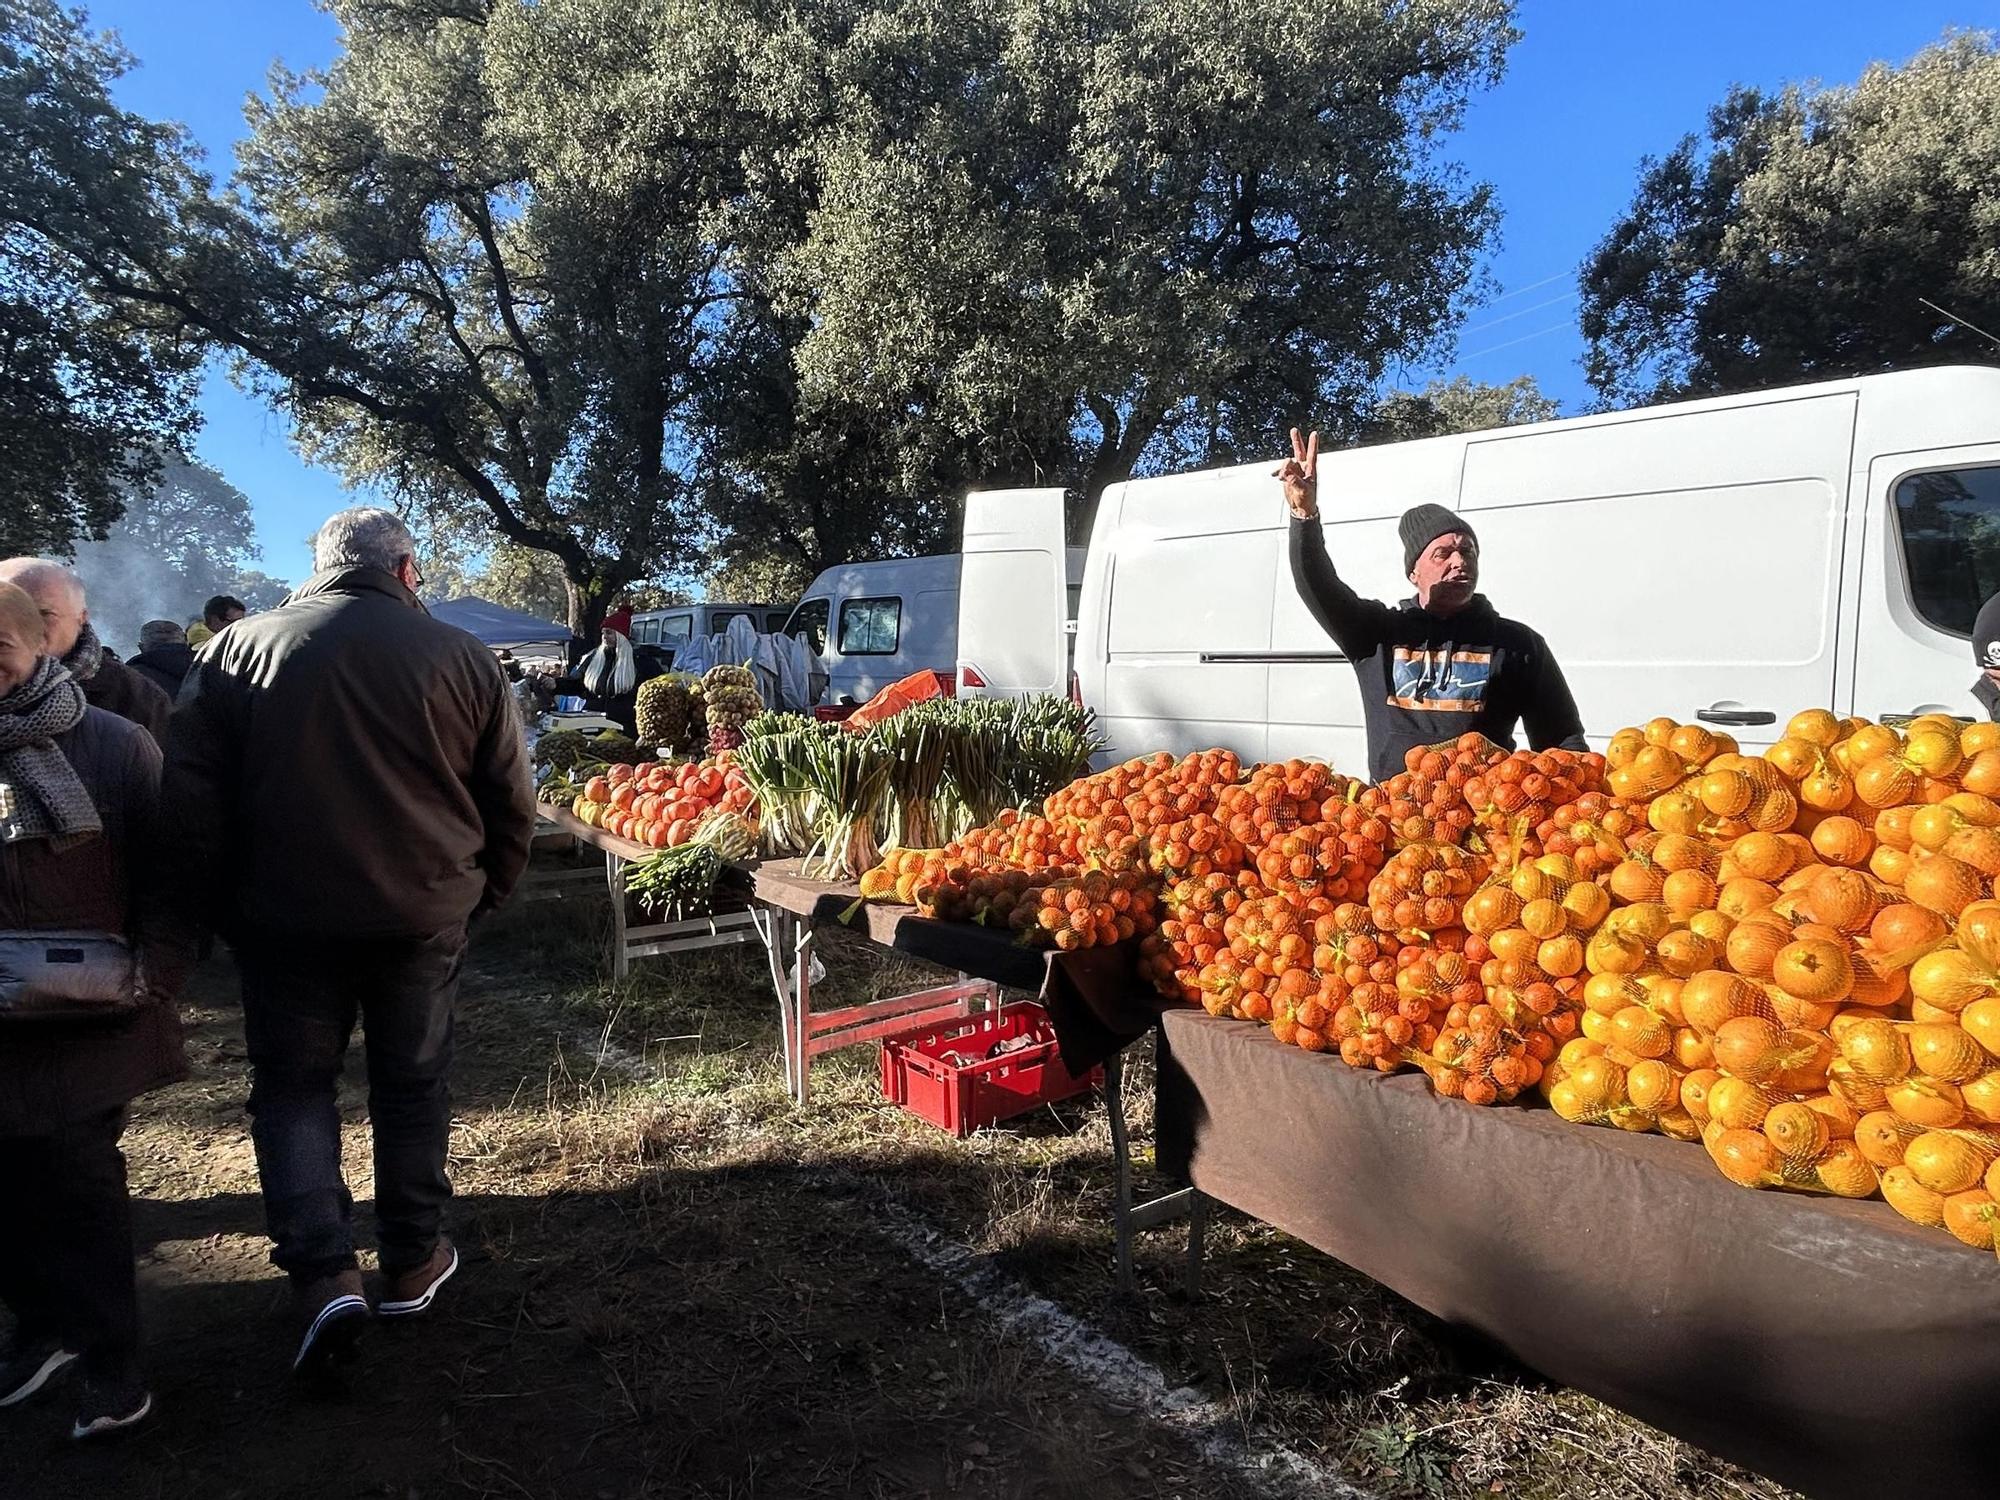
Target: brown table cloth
1831, 1345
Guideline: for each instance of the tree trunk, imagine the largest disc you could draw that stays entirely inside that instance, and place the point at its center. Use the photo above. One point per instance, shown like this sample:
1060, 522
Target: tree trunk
589, 603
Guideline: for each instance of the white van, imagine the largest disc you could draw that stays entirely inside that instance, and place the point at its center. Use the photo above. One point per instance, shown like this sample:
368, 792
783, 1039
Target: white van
1728, 561
875, 622
996, 620
679, 624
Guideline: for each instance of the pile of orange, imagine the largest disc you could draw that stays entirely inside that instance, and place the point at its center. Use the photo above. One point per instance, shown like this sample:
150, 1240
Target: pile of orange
1791, 958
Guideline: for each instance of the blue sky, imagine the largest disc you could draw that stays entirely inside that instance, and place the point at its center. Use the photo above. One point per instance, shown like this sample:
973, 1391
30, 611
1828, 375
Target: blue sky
1592, 87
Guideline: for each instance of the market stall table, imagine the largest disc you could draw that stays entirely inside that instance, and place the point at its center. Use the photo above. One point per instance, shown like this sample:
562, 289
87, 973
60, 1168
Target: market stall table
1828, 1343
1094, 999
771, 904
648, 939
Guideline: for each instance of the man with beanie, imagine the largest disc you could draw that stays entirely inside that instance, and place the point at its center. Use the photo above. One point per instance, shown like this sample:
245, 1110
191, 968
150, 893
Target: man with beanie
1441, 664
107, 682
1986, 653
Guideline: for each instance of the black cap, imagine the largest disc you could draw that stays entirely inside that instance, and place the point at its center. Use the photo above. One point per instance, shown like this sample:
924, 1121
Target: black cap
1986, 634
1423, 524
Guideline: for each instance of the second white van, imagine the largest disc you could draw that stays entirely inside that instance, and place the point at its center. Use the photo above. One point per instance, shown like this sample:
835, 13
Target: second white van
995, 620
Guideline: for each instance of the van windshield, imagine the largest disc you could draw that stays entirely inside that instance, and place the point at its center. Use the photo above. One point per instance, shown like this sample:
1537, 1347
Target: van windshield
1950, 524
809, 622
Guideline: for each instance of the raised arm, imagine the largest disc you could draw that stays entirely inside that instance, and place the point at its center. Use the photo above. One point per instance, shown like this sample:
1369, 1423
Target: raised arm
1357, 625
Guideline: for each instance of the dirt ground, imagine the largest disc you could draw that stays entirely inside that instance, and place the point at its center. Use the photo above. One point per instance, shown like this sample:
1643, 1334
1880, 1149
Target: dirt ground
675, 1285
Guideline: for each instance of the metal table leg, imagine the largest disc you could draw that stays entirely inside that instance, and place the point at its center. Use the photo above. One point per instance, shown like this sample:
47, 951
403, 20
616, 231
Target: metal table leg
775, 929
1121, 1157
802, 961
1128, 1218
1197, 1241
614, 880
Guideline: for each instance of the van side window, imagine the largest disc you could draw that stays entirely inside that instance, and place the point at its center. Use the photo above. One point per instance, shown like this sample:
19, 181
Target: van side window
870, 627
1950, 523
808, 622
645, 632
676, 629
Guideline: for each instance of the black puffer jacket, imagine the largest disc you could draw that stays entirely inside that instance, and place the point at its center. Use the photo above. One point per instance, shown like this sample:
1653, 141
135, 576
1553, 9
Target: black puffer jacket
55, 1072
346, 766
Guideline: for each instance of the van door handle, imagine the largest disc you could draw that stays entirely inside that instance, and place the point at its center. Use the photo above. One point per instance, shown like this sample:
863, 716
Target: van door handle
1269, 658
1738, 716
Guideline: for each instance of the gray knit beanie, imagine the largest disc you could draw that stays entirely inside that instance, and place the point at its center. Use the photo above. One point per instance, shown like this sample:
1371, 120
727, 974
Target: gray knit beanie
1423, 524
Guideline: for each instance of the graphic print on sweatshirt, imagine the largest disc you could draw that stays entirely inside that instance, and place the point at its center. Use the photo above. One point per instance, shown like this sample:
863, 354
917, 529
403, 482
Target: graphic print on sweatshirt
1440, 681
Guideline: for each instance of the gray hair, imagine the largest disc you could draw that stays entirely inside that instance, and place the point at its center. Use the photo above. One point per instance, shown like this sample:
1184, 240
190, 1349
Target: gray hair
363, 537
156, 633
35, 574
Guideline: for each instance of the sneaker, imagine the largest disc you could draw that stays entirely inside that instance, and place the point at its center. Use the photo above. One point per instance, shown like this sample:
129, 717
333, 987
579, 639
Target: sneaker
335, 1315
110, 1406
408, 1293
26, 1368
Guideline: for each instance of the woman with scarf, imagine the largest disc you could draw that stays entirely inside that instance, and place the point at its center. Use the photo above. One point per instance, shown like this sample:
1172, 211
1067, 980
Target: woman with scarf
87, 1024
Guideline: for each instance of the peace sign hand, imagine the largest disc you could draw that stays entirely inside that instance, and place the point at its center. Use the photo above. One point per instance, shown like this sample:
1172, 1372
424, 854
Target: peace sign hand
1300, 476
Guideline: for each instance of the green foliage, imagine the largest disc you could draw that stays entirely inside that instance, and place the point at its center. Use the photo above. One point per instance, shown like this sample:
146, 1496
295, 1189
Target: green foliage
91, 397
1406, 1456
1802, 237
1459, 405
670, 287
1061, 243
258, 591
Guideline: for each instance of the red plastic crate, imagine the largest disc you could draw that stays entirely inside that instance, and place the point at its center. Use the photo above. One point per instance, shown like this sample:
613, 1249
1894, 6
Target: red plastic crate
942, 1072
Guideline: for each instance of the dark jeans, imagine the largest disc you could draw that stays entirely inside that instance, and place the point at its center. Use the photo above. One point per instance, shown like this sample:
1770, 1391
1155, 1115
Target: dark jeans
300, 1000
66, 1251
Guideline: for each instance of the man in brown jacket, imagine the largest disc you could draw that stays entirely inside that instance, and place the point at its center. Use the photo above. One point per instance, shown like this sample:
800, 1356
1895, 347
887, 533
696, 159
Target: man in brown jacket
348, 776
107, 682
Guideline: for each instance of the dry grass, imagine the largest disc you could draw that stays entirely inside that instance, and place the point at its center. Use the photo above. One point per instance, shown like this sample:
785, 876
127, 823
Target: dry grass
1302, 1349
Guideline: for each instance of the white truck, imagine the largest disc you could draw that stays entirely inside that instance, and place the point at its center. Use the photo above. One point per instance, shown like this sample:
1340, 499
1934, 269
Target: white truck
993, 618
1729, 561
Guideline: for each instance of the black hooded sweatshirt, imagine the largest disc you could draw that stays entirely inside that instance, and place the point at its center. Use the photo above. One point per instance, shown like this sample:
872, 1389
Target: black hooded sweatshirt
1986, 653
1428, 678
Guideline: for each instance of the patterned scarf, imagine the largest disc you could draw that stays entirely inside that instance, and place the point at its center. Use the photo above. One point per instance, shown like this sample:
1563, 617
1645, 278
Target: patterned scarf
86, 656
41, 795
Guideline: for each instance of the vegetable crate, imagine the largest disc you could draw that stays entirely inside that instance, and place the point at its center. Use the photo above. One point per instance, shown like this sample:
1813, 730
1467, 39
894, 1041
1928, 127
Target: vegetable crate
956, 1076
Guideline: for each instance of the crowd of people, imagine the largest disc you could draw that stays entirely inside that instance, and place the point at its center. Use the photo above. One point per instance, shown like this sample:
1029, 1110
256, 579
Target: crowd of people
147, 806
